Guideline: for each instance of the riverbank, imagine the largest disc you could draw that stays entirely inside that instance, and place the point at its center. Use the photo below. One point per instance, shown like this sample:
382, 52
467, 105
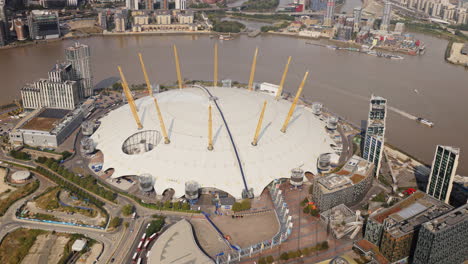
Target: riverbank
453, 54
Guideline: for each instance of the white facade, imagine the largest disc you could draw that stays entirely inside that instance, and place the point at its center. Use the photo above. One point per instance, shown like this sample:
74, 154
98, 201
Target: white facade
44, 93
131, 4
269, 88
187, 158
181, 4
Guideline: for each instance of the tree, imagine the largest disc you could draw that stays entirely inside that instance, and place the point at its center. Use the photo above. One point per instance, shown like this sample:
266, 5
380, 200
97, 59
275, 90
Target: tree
270, 259
284, 256
167, 204
304, 202
155, 225
306, 210
127, 209
115, 222
314, 212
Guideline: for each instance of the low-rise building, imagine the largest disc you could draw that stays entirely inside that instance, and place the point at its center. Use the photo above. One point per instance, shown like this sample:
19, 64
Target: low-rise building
163, 17
46, 127
348, 186
141, 20
185, 18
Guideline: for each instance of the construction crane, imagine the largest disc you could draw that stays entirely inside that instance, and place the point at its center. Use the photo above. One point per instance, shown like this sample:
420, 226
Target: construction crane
210, 129
179, 76
280, 89
130, 100
293, 106
252, 70
259, 125
150, 91
215, 77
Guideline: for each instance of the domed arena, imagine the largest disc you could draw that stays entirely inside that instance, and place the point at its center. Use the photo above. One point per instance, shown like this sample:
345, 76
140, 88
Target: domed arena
234, 164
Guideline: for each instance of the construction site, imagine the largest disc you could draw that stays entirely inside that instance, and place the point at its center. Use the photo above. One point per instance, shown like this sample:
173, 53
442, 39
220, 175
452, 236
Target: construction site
235, 139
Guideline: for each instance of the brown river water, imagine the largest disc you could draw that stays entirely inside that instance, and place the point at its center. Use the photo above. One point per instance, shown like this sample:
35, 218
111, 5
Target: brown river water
424, 86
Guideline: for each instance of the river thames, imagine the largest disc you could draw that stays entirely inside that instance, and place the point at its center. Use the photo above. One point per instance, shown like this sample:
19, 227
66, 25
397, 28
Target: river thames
424, 86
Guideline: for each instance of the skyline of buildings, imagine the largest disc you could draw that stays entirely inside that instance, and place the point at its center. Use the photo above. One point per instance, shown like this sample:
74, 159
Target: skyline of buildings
444, 167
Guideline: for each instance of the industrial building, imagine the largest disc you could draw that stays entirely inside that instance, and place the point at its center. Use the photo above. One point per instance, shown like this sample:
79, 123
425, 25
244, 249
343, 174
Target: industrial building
43, 24
394, 230
46, 127
443, 172
444, 239
375, 132
347, 186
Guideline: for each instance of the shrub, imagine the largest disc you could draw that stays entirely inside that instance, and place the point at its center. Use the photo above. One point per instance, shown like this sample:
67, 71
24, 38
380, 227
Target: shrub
270, 259
127, 210
262, 260
115, 222
306, 210
304, 202
284, 256
314, 212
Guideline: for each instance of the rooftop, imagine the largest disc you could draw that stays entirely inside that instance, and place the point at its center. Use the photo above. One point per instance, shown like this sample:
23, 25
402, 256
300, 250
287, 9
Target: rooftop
177, 245
353, 172
448, 220
410, 213
185, 113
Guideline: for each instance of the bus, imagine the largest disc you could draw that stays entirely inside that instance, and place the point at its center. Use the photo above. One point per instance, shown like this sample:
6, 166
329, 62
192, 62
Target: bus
139, 261
134, 215
143, 237
135, 256
139, 245
153, 236
145, 246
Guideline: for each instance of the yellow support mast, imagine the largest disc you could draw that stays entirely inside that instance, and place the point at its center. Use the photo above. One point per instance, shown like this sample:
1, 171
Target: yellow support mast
130, 100
179, 76
210, 129
293, 106
215, 78
280, 89
150, 91
259, 125
252, 70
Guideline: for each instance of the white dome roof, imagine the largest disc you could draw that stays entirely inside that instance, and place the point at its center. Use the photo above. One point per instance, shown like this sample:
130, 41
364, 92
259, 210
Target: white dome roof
186, 158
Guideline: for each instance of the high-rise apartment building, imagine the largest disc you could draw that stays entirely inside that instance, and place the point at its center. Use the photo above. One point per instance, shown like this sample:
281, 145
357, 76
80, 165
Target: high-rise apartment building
79, 57
443, 172
102, 20
387, 16
119, 21
444, 239
131, 4
58, 91
318, 5
181, 4
330, 14
149, 4
3, 24
357, 13
375, 132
